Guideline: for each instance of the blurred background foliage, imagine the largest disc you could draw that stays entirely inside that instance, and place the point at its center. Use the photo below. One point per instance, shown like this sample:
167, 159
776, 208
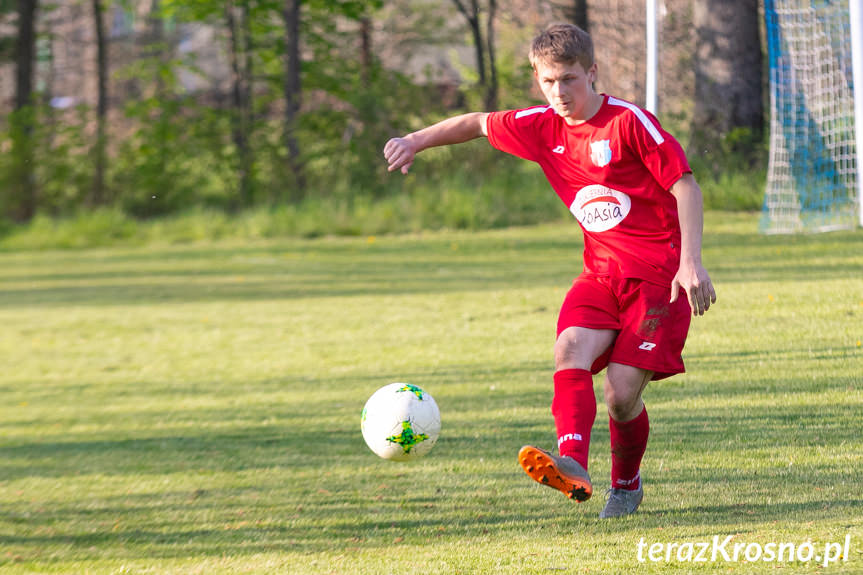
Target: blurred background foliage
270, 116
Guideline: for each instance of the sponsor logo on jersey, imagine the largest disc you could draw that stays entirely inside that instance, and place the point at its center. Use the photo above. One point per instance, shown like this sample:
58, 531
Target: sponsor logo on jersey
598, 208
600, 153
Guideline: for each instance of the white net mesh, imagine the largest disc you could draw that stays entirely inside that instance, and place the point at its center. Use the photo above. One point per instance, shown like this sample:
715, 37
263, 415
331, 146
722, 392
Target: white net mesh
812, 174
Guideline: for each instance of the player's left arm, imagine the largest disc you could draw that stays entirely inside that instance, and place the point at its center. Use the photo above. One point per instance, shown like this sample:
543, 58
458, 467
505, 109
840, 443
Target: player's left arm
691, 277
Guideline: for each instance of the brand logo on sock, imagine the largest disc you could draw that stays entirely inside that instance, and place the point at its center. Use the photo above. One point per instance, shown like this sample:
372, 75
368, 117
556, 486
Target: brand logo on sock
626, 482
568, 437
647, 346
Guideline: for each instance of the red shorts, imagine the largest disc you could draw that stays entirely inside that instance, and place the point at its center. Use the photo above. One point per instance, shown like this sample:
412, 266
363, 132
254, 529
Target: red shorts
651, 331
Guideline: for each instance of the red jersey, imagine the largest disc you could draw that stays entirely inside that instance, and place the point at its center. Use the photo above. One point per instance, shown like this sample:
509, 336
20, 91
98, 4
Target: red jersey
614, 173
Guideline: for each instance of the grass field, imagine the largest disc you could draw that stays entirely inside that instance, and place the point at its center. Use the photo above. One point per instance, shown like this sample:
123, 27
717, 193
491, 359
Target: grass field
195, 408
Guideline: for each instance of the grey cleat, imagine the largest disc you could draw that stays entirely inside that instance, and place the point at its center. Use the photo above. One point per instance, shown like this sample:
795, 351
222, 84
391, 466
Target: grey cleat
621, 502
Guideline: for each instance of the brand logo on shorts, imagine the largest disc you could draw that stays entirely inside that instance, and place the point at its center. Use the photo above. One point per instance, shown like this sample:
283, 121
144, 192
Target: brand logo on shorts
567, 437
598, 208
559, 150
647, 346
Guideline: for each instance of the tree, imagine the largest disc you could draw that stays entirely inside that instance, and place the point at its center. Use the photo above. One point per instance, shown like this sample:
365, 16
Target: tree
728, 75
98, 196
293, 94
484, 45
23, 193
575, 11
160, 53
240, 56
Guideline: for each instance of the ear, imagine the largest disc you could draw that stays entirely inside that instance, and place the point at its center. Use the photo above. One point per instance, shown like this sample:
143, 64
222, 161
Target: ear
591, 73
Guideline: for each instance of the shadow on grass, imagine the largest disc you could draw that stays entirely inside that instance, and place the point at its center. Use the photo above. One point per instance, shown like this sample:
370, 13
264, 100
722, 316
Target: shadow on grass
309, 416
739, 515
299, 270
183, 524
320, 416
363, 502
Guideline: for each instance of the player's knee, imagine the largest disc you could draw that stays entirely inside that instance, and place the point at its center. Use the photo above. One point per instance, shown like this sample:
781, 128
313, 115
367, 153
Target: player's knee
620, 410
570, 352
621, 402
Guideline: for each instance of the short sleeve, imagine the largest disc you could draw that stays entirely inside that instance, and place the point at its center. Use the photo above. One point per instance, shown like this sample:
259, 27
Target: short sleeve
660, 152
515, 131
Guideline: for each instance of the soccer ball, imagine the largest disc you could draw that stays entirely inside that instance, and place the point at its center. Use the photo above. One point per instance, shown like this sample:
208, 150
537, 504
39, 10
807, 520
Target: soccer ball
401, 422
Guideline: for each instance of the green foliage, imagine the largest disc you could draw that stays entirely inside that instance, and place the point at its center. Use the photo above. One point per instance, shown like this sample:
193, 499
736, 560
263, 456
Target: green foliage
173, 154
734, 188
177, 157
95, 228
430, 197
518, 195
353, 9
64, 179
7, 49
733, 176
55, 149
740, 149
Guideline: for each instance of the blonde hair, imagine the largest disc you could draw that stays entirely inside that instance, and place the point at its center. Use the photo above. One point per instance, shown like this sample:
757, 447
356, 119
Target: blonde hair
562, 43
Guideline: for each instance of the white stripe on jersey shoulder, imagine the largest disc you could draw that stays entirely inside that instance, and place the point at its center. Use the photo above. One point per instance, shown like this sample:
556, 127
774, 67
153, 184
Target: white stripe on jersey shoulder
639, 113
532, 111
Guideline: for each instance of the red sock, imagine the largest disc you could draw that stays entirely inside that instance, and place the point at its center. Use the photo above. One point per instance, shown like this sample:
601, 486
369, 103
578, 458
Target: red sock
574, 410
628, 442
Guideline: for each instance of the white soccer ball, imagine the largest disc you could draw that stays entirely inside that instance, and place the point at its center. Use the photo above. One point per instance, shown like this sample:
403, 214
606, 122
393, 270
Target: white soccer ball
401, 422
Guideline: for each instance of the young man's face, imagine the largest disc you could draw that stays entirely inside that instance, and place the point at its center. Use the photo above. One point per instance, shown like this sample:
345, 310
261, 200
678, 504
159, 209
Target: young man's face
568, 89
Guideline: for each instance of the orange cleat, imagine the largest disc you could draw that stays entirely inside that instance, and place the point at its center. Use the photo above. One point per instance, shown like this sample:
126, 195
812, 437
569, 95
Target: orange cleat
560, 472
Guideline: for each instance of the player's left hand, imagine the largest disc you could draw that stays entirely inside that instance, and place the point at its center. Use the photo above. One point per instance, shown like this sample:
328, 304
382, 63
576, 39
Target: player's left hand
695, 282
400, 154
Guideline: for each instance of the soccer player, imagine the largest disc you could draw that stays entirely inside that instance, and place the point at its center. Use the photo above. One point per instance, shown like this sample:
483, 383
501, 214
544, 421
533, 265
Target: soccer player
630, 187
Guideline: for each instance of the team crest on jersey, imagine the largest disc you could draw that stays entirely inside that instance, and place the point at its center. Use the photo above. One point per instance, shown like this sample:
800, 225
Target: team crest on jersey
598, 208
600, 153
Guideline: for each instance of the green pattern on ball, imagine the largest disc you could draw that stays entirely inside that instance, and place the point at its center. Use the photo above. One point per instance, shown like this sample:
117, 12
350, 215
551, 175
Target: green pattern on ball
413, 389
407, 438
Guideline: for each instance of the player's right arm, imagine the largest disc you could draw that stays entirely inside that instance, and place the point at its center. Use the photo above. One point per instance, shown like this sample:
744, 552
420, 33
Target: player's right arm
400, 152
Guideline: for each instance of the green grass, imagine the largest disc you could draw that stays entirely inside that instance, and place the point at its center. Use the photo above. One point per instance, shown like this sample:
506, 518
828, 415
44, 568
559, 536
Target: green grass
195, 408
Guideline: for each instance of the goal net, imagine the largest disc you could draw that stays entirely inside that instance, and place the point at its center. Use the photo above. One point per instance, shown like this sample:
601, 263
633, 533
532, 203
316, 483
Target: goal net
812, 170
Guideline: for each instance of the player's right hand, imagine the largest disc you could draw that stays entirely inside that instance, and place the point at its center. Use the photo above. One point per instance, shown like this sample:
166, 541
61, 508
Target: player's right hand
400, 154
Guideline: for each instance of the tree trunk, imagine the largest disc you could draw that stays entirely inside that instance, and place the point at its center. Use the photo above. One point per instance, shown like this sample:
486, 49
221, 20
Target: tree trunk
575, 11
157, 50
247, 159
293, 95
492, 88
728, 68
578, 14
239, 113
485, 52
365, 49
472, 17
98, 196
23, 192
476, 32
155, 45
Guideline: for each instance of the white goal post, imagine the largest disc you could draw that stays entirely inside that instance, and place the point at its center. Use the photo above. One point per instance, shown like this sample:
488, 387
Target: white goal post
856, 14
651, 60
